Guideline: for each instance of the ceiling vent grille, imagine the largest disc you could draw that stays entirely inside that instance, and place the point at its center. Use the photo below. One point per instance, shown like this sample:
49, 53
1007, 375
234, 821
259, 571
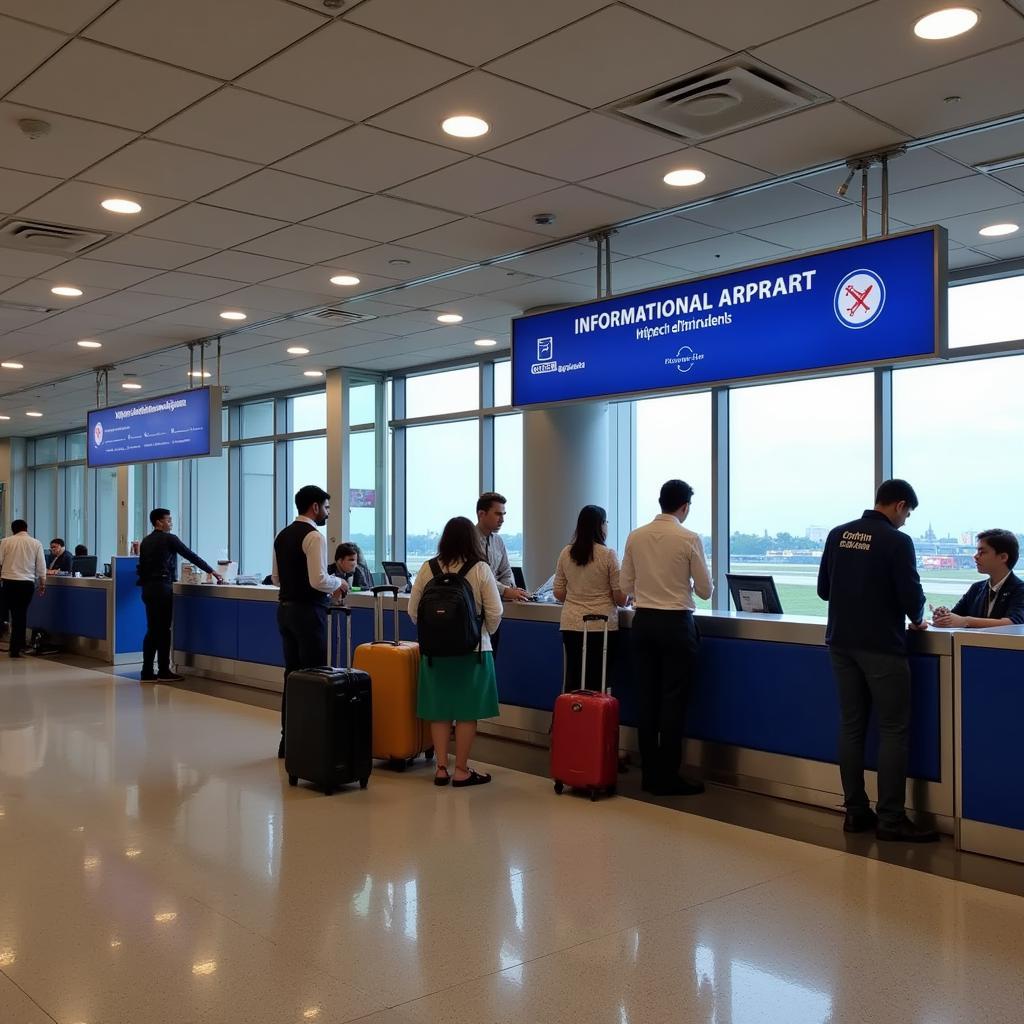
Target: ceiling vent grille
718, 100
337, 316
36, 236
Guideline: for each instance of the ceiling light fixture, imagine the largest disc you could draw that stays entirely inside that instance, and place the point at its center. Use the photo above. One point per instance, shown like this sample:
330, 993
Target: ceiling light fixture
945, 24
465, 126
298, 350
90, 344
200, 373
131, 386
345, 280
33, 414
996, 230
66, 289
485, 343
121, 206
449, 318
13, 366
5, 417
232, 314
312, 373
683, 177
398, 262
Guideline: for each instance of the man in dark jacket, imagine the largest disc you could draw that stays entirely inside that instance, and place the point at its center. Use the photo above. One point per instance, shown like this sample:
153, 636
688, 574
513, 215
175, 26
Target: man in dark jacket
868, 575
157, 571
996, 601
59, 559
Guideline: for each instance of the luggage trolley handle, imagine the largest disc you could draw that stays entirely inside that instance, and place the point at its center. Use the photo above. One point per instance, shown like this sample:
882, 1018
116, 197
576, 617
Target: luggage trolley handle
604, 653
336, 633
378, 614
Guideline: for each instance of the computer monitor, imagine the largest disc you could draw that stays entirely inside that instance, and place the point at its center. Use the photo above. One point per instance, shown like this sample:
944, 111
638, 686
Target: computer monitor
84, 564
106, 569
754, 593
517, 575
397, 574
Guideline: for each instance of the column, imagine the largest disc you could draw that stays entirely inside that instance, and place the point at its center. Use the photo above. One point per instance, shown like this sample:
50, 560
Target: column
337, 461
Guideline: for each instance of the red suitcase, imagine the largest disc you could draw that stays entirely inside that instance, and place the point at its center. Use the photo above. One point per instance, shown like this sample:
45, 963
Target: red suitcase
585, 731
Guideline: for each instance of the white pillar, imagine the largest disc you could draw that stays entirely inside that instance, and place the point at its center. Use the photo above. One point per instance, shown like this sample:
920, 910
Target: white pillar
337, 461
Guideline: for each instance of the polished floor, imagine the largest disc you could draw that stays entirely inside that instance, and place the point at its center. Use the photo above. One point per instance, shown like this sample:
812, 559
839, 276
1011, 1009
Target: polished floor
156, 867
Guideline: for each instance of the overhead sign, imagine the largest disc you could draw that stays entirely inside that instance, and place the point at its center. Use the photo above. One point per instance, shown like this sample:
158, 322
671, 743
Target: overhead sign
877, 302
181, 426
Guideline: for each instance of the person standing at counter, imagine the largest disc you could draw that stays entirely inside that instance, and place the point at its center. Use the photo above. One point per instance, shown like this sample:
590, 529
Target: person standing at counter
868, 576
490, 517
997, 601
662, 566
157, 570
22, 568
587, 583
60, 557
305, 589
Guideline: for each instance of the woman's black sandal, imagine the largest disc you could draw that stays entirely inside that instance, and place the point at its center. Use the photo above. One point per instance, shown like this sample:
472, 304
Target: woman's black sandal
474, 778
442, 780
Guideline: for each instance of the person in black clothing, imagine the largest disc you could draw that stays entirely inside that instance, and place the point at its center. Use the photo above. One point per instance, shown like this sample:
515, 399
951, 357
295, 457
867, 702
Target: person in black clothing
59, 559
300, 571
81, 551
996, 601
157, 571
350, 568
868, 575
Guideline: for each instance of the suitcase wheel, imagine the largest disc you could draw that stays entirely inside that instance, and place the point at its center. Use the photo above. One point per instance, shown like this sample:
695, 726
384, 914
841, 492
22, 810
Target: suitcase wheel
593, 795
559, 787
293, 780
363, 783
428, 754
328, 791
612, 790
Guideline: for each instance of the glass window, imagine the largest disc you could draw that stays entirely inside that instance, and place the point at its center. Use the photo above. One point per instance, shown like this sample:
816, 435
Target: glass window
801, 460
308, 412
168, 488
139, 525
308, 464
508, 481
257, 419
503, 383
362, 495
986, 312
47, 449
76, 446
210, 531
442, 480
362, 404
74, 506
950, 429
106, 514
434, 394
44, 512
256, 504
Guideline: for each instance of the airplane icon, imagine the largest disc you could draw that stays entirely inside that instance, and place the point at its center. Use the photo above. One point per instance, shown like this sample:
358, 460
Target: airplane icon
859, 299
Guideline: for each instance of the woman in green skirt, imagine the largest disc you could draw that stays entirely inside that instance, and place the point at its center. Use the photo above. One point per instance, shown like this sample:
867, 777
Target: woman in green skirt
459, 688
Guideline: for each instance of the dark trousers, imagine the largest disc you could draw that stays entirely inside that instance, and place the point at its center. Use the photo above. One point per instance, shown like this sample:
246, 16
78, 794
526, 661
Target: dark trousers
158, 597
304, 639
665, 647
572, 641
17, 598
869, 679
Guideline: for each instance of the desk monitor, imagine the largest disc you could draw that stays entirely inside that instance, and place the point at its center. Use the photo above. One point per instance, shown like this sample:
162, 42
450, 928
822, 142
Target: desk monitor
85, 564
106, 569
520, 579
754, 594
397, 574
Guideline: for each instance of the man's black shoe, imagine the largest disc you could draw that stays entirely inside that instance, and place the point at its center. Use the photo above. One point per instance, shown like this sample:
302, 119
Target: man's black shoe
280, 748
679, 787
905, 831
15, 654
860, 819
169, 677
147, 677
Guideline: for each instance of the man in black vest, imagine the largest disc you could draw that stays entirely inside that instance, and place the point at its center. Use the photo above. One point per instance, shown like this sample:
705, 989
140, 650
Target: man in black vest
996, 601
300, 571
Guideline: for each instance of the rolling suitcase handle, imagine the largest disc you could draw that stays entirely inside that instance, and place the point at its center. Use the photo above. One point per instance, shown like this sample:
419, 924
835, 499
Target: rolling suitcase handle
378, 615
334, 635
604, 652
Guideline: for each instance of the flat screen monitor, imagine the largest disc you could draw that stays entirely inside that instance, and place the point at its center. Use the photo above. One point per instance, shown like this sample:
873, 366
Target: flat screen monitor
754, 594
520, 579
85, 564
397, 574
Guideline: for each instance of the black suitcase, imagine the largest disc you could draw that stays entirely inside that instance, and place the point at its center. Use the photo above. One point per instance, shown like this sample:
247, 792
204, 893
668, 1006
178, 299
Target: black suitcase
329, 726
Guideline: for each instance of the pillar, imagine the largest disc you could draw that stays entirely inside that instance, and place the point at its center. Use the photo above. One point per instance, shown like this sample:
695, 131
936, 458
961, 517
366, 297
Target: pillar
337, 462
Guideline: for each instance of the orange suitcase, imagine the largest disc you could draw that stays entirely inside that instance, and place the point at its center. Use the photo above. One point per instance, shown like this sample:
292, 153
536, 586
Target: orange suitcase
394, 668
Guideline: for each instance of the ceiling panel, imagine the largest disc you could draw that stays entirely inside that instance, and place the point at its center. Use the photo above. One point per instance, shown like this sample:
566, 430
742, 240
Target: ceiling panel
94, 273
278, 300
715, 253
994, 144
1013, 176
242, 266
442, 295
818, 229
473, 186
311, 73
130, 306
288, 197
913, 169
308, 245
150, 252
918, 105
71, 144
18, 188
575, 210
93, 81
222, 39
250, 127
65, 15
26, 264
781, 202
491, 279
37, 292
22, 49
399, 262
77, 204
209, 225
630, 275
471, 240
206, 317
165, 170
965, 228
318, 280
1007, 249
186, 286
932, 203
382, 219
369, 159
585, 62
544, 293
559, 259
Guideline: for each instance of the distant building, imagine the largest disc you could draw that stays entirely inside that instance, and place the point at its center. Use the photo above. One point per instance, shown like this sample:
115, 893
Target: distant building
817, 534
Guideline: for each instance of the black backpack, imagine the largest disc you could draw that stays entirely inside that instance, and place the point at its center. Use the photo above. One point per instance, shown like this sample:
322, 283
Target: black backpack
447, 622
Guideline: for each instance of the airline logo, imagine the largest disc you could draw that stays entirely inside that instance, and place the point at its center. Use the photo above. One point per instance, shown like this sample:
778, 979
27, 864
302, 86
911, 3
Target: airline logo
97, 433
859, 299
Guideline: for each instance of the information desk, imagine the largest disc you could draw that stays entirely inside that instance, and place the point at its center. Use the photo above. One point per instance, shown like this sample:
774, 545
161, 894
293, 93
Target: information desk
764, 714
989, 717
100, 618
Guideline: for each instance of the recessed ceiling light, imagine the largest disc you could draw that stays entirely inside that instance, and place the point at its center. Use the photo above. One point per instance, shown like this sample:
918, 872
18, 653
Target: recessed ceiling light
129, 385
684, 176
485, 342
200, 373
298, 350
66, 289
5, 417
165, 917
90, 344
995, 230
13, 366
232, 314
312, 373
953, 21
121, 206
465, 126
34, 415
345, 280
449, 318
398, 262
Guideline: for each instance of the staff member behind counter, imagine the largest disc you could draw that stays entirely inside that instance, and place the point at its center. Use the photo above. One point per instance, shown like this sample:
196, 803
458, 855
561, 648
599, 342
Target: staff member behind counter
997, 601
490, 517
350, 568
868, 575
60, 557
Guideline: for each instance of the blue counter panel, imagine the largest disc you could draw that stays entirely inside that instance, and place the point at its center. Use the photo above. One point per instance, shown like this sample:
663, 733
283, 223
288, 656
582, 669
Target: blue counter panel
259, 638
991, 715
129, 611
529, 665
70, 611
206, 625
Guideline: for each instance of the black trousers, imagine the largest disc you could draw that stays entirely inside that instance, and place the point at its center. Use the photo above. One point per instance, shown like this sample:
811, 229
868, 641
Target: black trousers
304, 639
17, 598
572, 641
869, 679
158, 597
665, 647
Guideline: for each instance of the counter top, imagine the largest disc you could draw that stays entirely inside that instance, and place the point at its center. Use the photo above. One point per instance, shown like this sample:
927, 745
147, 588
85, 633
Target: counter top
83, 581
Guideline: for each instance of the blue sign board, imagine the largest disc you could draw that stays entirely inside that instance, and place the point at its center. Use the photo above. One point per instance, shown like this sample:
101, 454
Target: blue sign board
181, 426
876, 302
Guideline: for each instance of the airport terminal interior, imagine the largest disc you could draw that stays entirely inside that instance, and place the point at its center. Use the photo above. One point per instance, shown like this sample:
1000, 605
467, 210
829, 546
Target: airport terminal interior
414, 251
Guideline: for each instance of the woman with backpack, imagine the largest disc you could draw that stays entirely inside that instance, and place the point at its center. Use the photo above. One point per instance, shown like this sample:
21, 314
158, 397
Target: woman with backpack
456, 607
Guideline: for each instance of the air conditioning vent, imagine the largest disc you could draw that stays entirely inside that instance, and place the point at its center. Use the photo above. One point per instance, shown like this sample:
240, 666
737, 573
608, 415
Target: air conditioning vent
337, 316
718, 100
35, 236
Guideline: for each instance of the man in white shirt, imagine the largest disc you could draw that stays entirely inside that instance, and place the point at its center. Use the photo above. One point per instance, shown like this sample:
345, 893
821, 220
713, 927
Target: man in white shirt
22, 569
662, 566
490, 517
